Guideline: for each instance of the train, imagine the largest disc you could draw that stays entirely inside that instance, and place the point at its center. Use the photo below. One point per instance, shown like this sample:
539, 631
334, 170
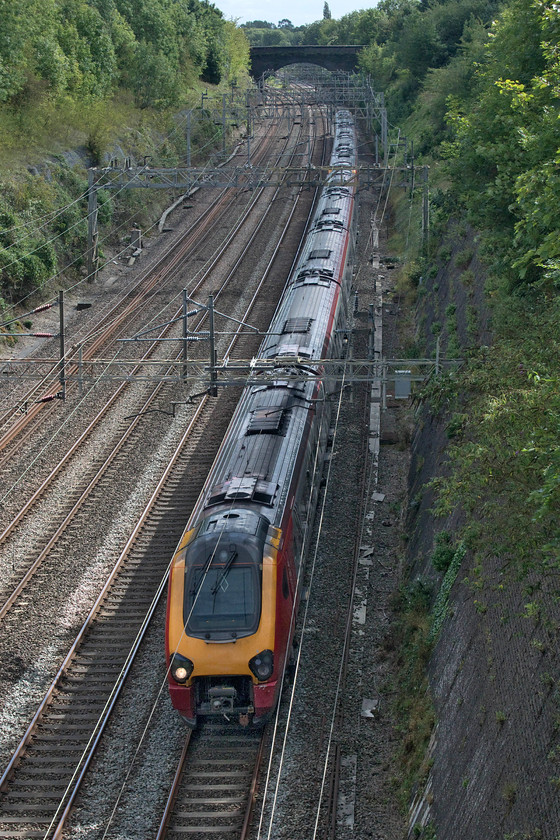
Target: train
235, 578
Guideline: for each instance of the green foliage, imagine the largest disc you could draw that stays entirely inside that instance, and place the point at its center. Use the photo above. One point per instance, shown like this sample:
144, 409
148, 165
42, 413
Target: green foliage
506, 465
464, 257
419, 40
443, 552
456, 425
414, 708
503, 159
509, 792
441, 605
88, 49
26, 259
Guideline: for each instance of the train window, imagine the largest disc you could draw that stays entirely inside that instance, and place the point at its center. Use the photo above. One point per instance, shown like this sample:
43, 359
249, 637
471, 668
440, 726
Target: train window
298, 535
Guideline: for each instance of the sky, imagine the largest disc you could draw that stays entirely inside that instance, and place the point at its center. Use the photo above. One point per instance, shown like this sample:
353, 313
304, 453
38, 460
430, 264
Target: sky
298, 11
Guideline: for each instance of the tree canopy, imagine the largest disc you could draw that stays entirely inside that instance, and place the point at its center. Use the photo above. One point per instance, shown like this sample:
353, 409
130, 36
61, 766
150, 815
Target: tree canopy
88, 49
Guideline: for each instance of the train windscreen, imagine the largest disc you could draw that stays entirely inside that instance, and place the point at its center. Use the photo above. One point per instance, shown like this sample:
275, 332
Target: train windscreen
223, 601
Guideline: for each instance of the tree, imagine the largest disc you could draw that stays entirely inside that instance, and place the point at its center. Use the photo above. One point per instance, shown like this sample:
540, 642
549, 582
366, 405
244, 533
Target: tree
504, 157
258, 24
285, 24
326, 11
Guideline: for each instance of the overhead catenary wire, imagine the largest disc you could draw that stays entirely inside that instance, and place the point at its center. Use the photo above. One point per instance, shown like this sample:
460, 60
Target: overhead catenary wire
63, 233
95, 333
207, 568
45, 219
58, 212
53, 437
262, 828
160, 691
81, 255
154, 317
163, 683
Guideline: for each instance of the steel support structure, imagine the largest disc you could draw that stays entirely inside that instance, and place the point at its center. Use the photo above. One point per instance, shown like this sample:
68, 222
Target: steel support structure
230, 373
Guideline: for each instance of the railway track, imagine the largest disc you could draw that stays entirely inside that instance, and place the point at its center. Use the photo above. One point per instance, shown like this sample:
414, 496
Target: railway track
215, 784
44, 775
40, 783
18, 426
42, 779
108, 468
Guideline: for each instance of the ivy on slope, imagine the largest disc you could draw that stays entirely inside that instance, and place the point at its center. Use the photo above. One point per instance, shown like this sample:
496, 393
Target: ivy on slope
505, 458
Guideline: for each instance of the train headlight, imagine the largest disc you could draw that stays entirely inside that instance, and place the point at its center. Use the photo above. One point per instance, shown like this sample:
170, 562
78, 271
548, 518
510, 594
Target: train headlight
262, 665
181, 668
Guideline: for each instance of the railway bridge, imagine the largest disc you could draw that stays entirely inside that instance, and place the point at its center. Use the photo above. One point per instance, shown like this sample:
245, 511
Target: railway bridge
265, 59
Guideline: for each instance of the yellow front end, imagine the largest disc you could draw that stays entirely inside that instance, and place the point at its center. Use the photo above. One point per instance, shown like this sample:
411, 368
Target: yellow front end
223, 659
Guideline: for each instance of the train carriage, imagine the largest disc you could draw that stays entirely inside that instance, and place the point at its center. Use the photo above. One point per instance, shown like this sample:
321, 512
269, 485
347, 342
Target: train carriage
234, 580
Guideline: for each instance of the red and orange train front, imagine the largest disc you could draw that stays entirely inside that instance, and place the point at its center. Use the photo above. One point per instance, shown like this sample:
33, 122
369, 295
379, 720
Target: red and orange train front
228, 618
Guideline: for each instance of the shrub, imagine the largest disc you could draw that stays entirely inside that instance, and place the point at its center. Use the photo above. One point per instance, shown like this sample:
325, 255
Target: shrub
464, 257
443, 551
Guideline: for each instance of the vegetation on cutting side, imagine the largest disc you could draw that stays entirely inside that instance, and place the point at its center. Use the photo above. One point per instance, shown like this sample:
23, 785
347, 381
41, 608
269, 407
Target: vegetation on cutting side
76, 77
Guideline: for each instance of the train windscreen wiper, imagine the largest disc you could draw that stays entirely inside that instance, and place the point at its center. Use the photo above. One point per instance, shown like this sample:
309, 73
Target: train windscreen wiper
220, 579
194, 591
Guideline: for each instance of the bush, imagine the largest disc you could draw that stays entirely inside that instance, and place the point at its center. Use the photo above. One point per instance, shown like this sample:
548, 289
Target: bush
464, 257
443, 551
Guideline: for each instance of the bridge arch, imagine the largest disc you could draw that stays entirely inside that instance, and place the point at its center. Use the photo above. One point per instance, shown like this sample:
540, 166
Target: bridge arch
265, 59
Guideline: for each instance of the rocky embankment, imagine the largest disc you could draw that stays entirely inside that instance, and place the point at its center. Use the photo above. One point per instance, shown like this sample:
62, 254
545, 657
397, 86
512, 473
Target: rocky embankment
494, 756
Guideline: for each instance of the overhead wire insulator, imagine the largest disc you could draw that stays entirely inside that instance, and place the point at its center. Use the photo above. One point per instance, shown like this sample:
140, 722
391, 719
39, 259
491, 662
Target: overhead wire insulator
42, 308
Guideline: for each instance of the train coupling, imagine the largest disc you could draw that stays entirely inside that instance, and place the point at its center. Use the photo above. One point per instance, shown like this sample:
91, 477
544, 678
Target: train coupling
222, 699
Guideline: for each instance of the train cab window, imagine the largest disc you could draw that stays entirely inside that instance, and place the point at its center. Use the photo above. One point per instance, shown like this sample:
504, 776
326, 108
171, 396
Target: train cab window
223, 580
223, 599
